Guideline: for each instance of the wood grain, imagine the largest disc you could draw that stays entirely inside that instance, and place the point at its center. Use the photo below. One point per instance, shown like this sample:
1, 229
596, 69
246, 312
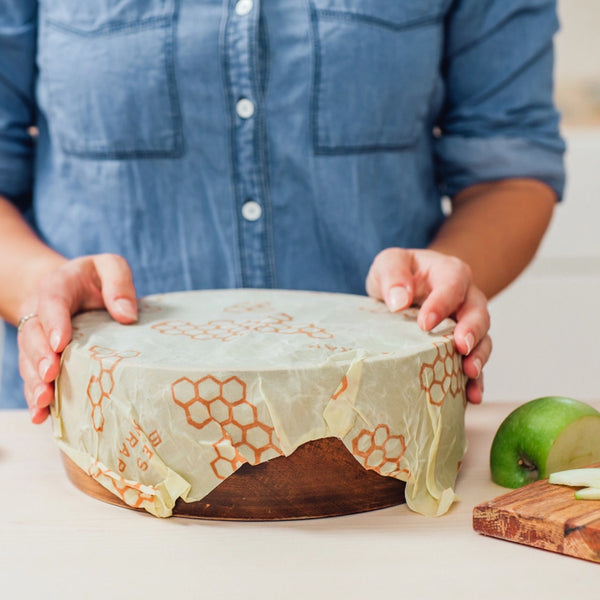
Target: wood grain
543, 516
320, 479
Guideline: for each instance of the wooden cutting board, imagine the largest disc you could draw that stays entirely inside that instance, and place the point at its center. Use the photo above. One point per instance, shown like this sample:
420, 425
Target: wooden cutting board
544, 516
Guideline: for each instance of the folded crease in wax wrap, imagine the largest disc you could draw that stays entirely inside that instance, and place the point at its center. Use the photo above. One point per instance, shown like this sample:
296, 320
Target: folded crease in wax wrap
207, 381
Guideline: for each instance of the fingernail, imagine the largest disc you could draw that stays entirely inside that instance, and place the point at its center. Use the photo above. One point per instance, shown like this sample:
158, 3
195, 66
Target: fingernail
35, 400
126, 308
478, 366
54, 340
397, 298
469, 341
37, 396
35, 416
431, 321
43, 367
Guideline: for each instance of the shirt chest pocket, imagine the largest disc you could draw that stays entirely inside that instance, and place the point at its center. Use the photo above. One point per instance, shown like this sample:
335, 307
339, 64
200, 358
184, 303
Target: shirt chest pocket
376, 65
107, 77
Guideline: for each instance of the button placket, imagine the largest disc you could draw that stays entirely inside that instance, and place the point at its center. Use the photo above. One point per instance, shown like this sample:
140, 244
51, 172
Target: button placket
241, 46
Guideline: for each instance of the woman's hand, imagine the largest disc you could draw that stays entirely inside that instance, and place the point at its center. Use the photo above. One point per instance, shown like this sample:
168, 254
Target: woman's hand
89, 282
443, 287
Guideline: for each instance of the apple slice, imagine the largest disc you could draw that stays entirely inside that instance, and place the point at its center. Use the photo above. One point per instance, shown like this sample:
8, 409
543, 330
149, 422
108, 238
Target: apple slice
590, 493
542, 436
589, 477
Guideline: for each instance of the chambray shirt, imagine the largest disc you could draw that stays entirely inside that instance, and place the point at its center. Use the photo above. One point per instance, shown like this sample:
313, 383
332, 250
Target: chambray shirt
264, 143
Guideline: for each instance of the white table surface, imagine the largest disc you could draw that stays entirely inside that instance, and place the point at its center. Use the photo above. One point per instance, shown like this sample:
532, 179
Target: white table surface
56, 542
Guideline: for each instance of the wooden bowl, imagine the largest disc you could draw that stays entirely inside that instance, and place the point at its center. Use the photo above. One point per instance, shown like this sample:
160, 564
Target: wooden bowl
320, 479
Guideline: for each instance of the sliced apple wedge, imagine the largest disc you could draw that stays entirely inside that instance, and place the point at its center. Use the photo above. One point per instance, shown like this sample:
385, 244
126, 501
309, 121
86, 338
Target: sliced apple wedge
590, 493
589, 477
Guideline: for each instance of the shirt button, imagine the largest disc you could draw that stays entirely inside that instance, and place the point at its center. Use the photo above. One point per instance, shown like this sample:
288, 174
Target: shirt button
243, 7
244, 108
251, 210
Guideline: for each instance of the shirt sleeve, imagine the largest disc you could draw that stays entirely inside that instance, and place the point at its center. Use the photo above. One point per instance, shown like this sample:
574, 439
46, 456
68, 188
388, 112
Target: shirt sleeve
18, 27
499, 119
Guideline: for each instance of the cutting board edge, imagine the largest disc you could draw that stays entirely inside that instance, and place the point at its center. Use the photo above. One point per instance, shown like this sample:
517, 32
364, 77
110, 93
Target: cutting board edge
493, 522
510, 517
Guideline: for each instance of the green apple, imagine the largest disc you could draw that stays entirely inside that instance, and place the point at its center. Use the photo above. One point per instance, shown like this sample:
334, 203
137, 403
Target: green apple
543, 436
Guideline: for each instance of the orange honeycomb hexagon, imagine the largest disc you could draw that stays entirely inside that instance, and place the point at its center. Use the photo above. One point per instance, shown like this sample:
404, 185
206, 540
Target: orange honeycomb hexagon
245, 437
185, 393
130, 493
259, 439
101, 385
442, 375
380, 451
228, 459
227, 329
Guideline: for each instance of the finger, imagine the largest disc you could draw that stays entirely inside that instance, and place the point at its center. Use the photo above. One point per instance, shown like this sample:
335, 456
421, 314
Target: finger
390, 278
58, 300
472, 321
449, 282
33, 344
38, 394
474, 363
116, 283
39, 415
475, 390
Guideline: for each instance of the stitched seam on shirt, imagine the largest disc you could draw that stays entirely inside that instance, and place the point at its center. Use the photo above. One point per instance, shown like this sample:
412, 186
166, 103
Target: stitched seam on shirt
177, 149
379, 22
362, 149
148, 23
240, 267
122, 154
261, 150
316, 78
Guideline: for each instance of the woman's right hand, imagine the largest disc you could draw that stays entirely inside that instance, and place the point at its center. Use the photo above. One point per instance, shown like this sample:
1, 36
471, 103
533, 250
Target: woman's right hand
85, 283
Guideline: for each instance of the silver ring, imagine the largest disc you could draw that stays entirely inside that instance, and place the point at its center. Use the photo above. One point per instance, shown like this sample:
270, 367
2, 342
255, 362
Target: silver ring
24, 320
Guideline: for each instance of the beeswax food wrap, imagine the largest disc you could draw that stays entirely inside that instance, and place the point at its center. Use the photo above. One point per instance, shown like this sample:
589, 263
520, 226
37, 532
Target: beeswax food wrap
206, 381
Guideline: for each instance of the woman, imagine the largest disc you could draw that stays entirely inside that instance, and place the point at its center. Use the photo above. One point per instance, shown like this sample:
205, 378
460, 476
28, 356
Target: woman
203, 144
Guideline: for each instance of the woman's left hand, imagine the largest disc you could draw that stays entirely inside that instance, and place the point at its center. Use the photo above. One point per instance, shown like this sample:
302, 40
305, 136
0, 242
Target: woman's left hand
442, 286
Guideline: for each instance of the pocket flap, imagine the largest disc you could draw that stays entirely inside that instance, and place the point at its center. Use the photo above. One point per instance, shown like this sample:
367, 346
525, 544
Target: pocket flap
396, 13
100, 16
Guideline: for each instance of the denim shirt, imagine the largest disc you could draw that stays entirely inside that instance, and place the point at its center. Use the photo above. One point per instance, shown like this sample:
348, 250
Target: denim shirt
264, 143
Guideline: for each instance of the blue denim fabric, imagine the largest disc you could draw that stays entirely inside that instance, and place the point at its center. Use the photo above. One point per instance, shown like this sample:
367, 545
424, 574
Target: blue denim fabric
365, 113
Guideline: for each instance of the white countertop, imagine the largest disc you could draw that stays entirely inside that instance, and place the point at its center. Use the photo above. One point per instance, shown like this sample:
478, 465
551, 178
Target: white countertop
56, 542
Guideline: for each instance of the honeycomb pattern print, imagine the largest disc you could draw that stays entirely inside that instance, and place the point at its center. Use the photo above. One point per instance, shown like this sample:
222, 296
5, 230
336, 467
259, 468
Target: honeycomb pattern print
227, 329
242, 307
244, 438
131, 493
101, 385
443, 375
380, 451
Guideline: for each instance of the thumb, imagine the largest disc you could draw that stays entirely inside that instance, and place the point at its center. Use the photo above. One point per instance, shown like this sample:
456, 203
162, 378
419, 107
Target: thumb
116, 283
390, 278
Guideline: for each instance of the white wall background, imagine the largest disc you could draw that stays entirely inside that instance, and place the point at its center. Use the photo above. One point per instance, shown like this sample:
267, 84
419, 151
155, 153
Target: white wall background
546, 326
